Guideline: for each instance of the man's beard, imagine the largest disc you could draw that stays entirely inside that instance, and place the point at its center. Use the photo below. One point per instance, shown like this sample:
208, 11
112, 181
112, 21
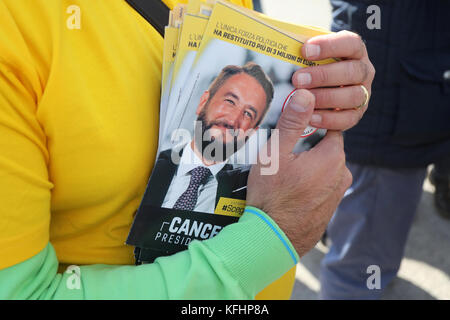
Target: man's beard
211, 148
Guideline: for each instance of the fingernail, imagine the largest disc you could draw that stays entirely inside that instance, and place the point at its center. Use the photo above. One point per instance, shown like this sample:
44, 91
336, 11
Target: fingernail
304, 79
299, 102
312, 50
316, 118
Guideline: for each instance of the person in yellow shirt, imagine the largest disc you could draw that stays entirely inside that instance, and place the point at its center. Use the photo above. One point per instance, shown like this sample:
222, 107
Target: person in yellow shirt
79, 105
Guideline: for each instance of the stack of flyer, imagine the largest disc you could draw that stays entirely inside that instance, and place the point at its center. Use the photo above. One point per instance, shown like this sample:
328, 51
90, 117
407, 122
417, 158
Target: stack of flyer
226, 78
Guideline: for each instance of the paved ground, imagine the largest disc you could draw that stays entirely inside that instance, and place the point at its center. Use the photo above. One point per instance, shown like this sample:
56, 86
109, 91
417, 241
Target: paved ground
425, 269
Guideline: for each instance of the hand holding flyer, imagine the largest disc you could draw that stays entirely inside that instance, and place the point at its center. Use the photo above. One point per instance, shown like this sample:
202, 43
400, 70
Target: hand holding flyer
230, 81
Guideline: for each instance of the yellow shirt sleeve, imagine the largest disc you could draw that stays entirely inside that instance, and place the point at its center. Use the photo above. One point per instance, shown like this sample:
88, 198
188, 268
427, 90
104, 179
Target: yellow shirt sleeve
79, 102
24, 184
78, 127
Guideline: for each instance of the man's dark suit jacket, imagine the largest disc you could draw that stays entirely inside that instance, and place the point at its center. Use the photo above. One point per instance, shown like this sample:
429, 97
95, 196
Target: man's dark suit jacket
232, 183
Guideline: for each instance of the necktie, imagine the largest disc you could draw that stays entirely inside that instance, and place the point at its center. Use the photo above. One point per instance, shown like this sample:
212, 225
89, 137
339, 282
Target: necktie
188, 199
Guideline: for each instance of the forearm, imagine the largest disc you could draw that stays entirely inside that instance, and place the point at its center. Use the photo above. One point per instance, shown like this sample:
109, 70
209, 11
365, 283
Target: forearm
236, 264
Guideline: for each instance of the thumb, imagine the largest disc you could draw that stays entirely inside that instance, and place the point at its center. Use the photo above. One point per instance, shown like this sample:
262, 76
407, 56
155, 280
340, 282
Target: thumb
295, 119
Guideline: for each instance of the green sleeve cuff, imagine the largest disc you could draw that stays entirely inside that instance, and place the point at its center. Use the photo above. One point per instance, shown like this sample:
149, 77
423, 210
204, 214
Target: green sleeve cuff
254, 250
280, 234
238, 263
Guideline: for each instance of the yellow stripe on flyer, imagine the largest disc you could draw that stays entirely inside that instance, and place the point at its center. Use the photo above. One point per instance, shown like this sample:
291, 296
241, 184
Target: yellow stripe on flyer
230, 207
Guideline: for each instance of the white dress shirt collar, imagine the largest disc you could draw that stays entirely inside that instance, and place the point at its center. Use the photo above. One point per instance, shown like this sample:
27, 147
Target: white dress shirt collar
189, 160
